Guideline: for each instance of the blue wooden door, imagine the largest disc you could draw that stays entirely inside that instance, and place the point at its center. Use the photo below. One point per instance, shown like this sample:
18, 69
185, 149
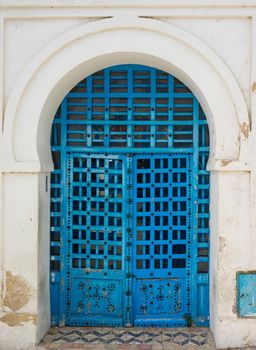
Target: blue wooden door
130, 202
162, 236
96, 237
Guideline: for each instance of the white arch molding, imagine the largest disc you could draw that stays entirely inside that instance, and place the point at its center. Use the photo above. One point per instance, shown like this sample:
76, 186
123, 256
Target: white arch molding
90, 47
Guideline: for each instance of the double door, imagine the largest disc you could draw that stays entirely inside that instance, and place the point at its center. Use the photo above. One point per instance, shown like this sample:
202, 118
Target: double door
128, 239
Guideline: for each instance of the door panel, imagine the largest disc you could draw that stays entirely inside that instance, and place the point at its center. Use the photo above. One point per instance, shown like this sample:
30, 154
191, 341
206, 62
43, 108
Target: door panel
128, 239
162, 230
96, 239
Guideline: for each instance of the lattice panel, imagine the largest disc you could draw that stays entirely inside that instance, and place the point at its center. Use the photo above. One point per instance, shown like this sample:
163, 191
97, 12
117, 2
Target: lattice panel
162, 192
203, 215
145, 108
97, 203
97, 209
55, 220
203, 196
55, 205
162, 228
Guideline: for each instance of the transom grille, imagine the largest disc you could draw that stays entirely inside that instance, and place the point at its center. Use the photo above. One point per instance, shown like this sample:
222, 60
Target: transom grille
135, 108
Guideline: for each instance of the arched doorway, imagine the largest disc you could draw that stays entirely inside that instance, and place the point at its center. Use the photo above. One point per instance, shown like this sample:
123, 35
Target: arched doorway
130, 202
26, 150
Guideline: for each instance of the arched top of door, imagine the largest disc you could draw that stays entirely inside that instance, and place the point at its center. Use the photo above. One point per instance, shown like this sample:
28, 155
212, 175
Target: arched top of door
93, 46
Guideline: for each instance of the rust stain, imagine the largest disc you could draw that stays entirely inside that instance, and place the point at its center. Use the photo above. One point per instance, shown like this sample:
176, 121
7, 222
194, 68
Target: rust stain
225, 162
18, 319
62, 282
89, 307
89, 270
18, 292
254, 87
245, 129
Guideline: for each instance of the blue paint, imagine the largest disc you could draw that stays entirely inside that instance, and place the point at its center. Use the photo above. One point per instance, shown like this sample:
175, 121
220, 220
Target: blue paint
96, 239
246, 295
162, 236
129, 202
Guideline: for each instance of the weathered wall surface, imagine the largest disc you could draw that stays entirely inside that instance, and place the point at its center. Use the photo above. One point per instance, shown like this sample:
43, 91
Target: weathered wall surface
48, 46
20, 274
21, 45
216, 33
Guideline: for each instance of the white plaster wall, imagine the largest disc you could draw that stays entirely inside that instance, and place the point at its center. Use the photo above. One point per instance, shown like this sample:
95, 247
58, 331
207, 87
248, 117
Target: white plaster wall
25, 38
26, 27
20, 220
26, 257
233, 241
233, 238
43, 314
230, 38
1, 243
214, 262
20, 229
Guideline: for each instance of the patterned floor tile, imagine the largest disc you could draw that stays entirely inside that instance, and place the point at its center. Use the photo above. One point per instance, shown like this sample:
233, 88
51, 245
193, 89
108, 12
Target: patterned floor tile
127, 338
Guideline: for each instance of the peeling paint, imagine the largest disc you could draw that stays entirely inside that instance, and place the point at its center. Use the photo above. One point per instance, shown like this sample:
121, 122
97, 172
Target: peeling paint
234, 309
18, 292
225, 162
18, 319
245, 129
222, 244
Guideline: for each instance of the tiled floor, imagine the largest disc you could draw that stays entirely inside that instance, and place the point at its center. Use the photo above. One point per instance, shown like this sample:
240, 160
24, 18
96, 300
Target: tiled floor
128, 338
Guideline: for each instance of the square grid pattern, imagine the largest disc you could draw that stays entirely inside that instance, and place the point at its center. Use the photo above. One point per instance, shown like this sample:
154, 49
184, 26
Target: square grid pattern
135, 107
162, 195
162, 247
97, 207
97, 198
